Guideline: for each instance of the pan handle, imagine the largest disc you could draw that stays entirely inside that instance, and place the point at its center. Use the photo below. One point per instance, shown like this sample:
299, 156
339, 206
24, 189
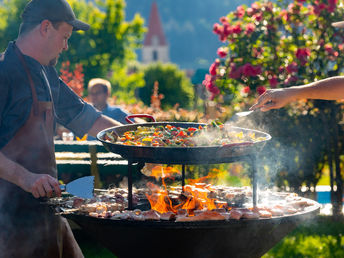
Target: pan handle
139, 115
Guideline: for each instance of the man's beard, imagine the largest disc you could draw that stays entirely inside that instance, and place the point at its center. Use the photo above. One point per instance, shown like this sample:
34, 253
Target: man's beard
53, 62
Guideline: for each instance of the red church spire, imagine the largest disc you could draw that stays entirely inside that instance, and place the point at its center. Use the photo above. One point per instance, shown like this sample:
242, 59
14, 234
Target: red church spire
154, 28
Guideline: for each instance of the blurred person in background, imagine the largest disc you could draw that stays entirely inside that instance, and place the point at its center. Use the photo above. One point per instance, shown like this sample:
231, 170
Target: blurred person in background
32, 99
99, 91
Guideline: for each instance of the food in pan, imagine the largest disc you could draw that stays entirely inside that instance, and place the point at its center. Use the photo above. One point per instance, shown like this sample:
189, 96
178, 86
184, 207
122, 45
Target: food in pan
213, 134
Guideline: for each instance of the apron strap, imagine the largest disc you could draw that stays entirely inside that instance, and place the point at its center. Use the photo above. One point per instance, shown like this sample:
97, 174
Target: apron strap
32, 85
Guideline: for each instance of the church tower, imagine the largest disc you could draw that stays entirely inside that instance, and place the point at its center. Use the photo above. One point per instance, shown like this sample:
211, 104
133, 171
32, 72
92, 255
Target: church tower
155, 47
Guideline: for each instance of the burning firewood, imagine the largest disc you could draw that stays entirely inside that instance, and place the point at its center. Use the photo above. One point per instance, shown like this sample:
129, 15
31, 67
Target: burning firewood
206, 215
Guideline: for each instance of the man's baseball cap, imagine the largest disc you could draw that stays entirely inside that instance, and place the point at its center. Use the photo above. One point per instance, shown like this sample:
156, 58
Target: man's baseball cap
52, 10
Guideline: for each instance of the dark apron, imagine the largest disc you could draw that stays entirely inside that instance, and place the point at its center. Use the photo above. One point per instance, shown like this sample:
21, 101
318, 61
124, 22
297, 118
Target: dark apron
28, 228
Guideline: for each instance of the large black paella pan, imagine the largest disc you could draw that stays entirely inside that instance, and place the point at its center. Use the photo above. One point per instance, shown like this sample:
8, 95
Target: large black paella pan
182, 155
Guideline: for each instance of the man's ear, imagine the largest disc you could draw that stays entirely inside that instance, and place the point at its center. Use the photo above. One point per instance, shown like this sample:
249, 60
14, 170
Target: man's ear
45, 27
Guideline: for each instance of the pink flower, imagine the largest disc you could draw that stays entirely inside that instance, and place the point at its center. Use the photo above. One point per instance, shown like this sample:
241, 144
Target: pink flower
328, 48
273, 81
258, 17
236, 29
250, 70
222, 52
292, 68
235, 72
224, 20
285, 15
227, 30
302, 54
332, 5
250, 27
246, 90
294, 8
255, 6
212, 69
208, 81
215, 93
317, 8
240, 12
217, 28
249, 12
210, 86
261, 90
341, 47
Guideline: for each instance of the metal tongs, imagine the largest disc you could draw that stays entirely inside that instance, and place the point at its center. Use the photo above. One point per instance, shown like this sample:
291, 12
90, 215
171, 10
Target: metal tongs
238, 115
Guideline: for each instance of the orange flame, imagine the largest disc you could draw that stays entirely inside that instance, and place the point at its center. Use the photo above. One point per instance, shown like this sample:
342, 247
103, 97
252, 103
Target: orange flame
197, 198
159, 199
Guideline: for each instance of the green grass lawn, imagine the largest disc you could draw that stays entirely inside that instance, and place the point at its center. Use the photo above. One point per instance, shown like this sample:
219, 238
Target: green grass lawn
320, 238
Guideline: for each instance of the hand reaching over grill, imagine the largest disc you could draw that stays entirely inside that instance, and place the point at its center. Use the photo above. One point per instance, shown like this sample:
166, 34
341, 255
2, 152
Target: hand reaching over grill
274, 99
42, 185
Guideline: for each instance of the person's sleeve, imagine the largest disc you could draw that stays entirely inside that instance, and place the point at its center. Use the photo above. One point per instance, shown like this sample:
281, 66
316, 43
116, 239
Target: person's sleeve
118, 114
74, 113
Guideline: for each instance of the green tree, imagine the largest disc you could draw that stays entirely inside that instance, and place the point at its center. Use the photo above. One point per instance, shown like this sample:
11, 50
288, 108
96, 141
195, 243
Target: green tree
10, 11
110, 39
125, 80
173, 84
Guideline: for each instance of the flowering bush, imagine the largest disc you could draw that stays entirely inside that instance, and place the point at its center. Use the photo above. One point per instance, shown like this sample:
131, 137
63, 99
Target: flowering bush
281, 44
269, 45
74, 79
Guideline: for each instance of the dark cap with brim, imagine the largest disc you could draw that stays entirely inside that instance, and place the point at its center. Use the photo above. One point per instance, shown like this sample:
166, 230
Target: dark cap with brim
53, 10
338, 24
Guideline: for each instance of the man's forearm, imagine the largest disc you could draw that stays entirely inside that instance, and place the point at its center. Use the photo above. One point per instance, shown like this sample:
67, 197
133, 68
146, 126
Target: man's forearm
327, 89
11, 171
102, 123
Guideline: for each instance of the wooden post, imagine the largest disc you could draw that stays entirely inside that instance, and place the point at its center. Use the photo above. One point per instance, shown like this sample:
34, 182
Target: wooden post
94, 167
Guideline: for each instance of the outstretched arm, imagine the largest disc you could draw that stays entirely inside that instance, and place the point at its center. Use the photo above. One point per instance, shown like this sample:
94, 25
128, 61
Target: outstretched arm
102, 123
327, 89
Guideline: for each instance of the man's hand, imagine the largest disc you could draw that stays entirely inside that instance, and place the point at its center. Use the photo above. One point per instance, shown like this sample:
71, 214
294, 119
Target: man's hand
41, 185
274, 99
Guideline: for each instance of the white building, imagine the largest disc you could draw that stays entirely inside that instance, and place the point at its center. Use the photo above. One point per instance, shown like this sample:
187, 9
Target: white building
155, 47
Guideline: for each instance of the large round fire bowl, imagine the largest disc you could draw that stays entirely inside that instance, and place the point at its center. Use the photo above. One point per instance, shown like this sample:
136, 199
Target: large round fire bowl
203, 239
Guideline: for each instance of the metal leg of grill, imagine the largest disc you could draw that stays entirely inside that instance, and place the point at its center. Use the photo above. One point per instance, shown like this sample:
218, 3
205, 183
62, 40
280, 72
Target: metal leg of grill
183, 177
254, 179
130, 185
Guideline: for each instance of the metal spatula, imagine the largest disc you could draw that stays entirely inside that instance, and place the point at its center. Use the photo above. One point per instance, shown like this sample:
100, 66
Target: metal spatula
82, 187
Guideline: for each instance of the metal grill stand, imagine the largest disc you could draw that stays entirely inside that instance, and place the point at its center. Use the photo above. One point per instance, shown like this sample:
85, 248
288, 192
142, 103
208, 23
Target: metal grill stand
249, 158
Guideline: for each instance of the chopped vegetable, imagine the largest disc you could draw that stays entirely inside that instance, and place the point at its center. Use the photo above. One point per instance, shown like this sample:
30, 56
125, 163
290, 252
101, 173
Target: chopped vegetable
214, 134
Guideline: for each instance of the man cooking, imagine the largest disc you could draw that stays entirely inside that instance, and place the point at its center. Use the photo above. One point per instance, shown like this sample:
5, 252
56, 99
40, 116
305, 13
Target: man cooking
32, 99
327, 89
